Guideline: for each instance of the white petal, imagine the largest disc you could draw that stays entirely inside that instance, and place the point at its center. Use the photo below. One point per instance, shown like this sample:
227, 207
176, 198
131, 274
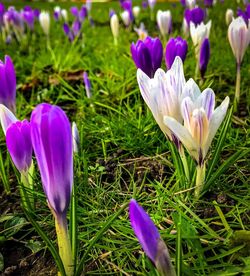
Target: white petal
187, 107
183, 135
207, 101
215, 122
191, 89
6, 118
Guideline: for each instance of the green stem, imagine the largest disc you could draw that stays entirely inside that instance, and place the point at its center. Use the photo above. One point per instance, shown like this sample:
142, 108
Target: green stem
237, 88
64, 243
200, 178
184, 163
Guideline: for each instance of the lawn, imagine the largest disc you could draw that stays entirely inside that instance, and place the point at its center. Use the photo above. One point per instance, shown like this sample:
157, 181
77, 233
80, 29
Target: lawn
123, 154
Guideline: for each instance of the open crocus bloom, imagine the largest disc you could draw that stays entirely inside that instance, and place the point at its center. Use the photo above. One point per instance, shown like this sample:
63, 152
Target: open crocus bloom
163, 93
201, 120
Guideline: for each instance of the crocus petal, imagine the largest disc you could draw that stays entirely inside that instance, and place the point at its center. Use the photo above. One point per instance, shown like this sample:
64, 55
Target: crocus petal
6, 118
144, 229
215, 122
183, 135
191, 90
207, 101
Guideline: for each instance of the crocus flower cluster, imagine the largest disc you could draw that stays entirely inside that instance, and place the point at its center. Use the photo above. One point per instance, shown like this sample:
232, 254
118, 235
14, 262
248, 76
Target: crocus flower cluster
149, 238
73, 31
147, 55
60, 14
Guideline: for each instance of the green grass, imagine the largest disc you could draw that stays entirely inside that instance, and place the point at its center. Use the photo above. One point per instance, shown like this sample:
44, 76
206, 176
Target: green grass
123, 153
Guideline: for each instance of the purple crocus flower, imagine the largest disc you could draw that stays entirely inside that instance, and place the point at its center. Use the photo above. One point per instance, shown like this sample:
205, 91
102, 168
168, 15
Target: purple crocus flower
52, 142
195, 15
147, 55
204, 56
2, 10
87, 84
29, 18
27, 8
175, 47
74, 11
127, 6
36, 12
19, 144
144, 4
183, 3
76, 27
208, 3
8, 84
83, 13
149, 238
68, 32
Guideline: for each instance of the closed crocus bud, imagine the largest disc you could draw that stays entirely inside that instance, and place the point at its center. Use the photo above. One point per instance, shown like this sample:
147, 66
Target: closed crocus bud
164, 21
125, 16
8, 84
52, 142
76, 138
6, 118
136, 11
64, 14
44, 19
239, 38
87, 84
185, 27
229, 16
74, 11
175, 47
151, 4
147, 55
114, 25
149, 239
195, 15
29, 18
208, 3
19, 145
204, 56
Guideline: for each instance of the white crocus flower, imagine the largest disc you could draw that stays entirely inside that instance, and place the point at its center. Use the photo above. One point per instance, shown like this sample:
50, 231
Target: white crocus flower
164, 21
125, 16
6, 118
163, 93
239, 37
199, 33
190, 4
114, 25
201, 120
141, 31
44, 19
229, 16
136, 11
64, 14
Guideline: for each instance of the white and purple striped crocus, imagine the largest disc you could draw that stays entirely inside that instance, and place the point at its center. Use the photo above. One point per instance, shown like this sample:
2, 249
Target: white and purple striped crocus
19, 145
163, 94
175, 47
164, 22
147, 55
8, 84
149, 239
87, 84
52, 142
201, 120
204, 56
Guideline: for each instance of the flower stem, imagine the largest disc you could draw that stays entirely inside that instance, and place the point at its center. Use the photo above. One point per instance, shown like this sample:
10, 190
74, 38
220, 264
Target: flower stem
237, 88
200, 178
184, 163
64, 243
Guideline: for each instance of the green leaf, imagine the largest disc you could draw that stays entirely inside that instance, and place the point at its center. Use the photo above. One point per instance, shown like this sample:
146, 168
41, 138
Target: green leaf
34, 246
1, 262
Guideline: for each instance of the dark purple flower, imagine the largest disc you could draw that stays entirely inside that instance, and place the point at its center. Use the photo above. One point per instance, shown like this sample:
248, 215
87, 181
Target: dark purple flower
87, 84
27, 8
195, 15
149, 238
175, 47
208, 3
68, 32
57, 15
2, 10
183, 3
204, 56
36, 12
147, 55
244, 14
19, 144
74, 11
8, 84
52, 143
144, 4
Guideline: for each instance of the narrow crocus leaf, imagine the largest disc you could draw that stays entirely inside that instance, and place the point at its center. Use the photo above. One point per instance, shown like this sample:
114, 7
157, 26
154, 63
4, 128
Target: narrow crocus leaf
149, 238
52, 142
6, 117
19, 145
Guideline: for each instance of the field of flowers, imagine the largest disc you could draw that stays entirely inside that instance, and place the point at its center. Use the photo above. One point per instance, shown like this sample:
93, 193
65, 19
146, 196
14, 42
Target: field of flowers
124, 138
